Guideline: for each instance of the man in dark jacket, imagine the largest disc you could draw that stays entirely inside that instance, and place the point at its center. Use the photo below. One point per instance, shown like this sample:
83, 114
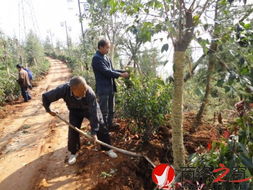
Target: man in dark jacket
105, 77
81, 102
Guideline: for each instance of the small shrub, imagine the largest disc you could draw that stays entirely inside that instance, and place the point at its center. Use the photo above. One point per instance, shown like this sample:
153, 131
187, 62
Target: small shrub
146, 101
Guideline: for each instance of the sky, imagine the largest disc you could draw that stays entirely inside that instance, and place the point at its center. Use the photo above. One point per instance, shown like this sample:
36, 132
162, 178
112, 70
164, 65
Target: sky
47, 17
18, 17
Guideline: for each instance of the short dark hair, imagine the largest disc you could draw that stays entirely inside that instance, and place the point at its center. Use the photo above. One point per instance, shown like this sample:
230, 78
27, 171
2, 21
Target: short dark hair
19, 66
75, 81
102, 43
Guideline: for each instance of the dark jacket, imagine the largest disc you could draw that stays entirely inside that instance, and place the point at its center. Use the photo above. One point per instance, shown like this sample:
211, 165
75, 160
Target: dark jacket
104, 74
86, 104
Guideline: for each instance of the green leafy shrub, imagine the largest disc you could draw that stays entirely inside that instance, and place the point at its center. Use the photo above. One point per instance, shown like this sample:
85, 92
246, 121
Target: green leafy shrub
41, 69
30, 54
9, 88
146, 101
233, 151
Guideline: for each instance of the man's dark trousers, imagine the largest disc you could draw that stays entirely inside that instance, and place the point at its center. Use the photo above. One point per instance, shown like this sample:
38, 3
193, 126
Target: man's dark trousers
107, 104
25, 94
76, 118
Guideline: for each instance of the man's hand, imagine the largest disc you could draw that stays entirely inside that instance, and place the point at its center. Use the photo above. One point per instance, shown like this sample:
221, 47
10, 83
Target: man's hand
95, 138
52, 113
124, 75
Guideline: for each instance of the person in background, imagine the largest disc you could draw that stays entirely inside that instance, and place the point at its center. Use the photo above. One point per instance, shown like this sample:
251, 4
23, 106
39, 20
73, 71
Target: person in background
24, 82
105, 77
81, 103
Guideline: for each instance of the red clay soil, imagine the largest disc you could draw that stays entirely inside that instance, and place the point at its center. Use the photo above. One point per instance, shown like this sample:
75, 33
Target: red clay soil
128, 173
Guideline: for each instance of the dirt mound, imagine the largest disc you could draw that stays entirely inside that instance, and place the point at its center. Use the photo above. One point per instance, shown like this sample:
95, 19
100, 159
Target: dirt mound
99, 172
125, 173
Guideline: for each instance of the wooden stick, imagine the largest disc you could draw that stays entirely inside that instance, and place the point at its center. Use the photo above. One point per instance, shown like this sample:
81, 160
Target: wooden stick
105, 144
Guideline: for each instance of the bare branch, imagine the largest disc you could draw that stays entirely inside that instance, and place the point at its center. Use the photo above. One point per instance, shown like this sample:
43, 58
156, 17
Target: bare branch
223, 63
192, 5
166, 10
180, 26
246, 15
190, 73
173, 12
205, 7
189, 27
183, 5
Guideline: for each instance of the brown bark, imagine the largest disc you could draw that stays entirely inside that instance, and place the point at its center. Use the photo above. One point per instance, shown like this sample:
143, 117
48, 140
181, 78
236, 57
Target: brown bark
207, 91
177, 110
211, 63
181, 43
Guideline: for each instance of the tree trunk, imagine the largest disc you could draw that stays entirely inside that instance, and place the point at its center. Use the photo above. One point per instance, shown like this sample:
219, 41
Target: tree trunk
211, 62
180, 44
112, 52
35, 62
177, 110
8, 71
81, 66
207, 91
136, 65
191, 72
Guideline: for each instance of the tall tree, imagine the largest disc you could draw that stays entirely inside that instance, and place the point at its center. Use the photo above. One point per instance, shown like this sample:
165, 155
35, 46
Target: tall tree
34, 49
177, 19
221, 35
48, 45
211, 63
106, 24
8, 53
149, 60
131, 44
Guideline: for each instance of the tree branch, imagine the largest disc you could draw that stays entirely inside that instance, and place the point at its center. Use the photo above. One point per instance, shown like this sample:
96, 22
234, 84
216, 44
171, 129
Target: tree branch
223, 64
180, 21
166, 10
190, 74
204, 7
191, 7
183, 5
246, 15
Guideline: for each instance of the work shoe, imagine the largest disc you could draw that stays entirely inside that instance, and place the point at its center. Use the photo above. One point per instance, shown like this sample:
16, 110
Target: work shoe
111, 154
72, 159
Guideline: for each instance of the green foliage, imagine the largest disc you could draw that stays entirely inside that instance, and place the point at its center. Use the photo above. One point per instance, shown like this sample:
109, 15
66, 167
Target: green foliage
12, 53
146, 101
236, 55
245, 140
149, 60
33, 50
48, 46
218, 101
104, 24
8, 87
40, 69
234, 151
